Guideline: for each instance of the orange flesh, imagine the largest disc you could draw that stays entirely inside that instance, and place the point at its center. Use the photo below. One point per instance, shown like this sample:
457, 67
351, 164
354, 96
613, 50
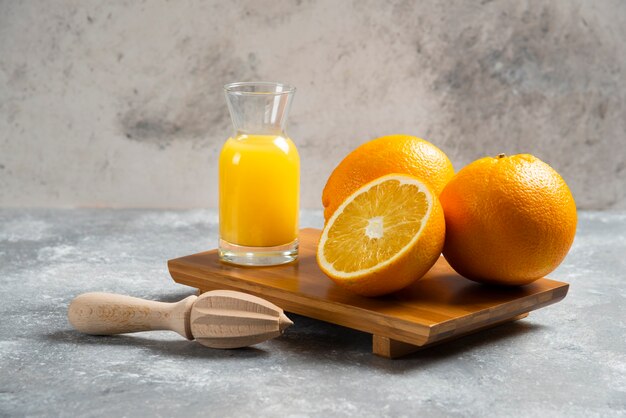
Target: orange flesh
375, 226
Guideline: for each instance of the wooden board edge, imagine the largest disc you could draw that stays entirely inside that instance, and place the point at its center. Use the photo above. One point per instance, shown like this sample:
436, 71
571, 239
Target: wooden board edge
392, 349
467, 324
409, 333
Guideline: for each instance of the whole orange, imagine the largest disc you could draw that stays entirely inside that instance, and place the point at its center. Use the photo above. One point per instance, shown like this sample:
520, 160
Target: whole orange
509, 220
393, 154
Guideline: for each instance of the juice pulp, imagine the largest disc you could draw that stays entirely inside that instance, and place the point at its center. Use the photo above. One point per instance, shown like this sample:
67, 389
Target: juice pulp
259, 187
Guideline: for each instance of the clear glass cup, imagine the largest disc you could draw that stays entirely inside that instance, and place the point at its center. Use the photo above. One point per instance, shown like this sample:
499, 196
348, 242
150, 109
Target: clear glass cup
259, 178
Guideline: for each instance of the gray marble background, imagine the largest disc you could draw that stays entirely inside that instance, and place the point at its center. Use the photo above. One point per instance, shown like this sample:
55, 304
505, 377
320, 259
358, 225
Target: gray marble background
566, 360
119, 103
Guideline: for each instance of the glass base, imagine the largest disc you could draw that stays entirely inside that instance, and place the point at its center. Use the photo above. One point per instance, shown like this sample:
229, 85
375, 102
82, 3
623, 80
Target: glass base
257, 256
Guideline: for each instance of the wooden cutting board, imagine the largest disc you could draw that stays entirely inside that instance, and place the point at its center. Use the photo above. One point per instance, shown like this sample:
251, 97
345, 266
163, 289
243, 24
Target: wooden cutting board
441, 306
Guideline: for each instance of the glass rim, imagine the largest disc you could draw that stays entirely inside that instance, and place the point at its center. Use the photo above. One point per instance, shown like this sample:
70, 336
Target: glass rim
232, 88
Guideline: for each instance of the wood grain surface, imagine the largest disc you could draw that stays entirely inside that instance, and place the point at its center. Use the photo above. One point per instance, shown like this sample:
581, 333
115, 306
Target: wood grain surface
99, 313
216, 319
440, 306
227, 319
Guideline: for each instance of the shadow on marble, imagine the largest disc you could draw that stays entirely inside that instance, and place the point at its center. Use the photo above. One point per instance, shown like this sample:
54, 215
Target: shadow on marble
310, 340
179, 347
332, 343
505, 334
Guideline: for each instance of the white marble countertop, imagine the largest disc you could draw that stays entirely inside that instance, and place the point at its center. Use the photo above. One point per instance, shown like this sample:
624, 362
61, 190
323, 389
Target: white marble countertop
567, 359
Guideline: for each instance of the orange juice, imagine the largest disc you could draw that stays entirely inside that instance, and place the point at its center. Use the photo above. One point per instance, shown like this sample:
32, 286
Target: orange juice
259, 185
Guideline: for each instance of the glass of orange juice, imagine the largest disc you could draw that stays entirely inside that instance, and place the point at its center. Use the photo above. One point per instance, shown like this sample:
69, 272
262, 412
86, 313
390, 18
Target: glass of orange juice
259, 178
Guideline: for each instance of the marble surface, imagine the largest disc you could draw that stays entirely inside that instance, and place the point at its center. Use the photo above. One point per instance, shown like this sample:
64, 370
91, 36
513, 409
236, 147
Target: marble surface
568, 359
120, 103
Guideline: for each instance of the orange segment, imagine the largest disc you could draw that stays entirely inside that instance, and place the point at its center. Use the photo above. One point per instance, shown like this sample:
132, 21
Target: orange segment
384, 236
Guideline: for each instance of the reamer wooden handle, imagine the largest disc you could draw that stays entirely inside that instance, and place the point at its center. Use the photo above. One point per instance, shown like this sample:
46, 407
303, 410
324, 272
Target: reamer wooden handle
99, 313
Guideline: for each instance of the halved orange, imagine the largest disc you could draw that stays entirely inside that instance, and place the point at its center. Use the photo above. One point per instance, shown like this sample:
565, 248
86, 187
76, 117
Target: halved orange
384, 236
